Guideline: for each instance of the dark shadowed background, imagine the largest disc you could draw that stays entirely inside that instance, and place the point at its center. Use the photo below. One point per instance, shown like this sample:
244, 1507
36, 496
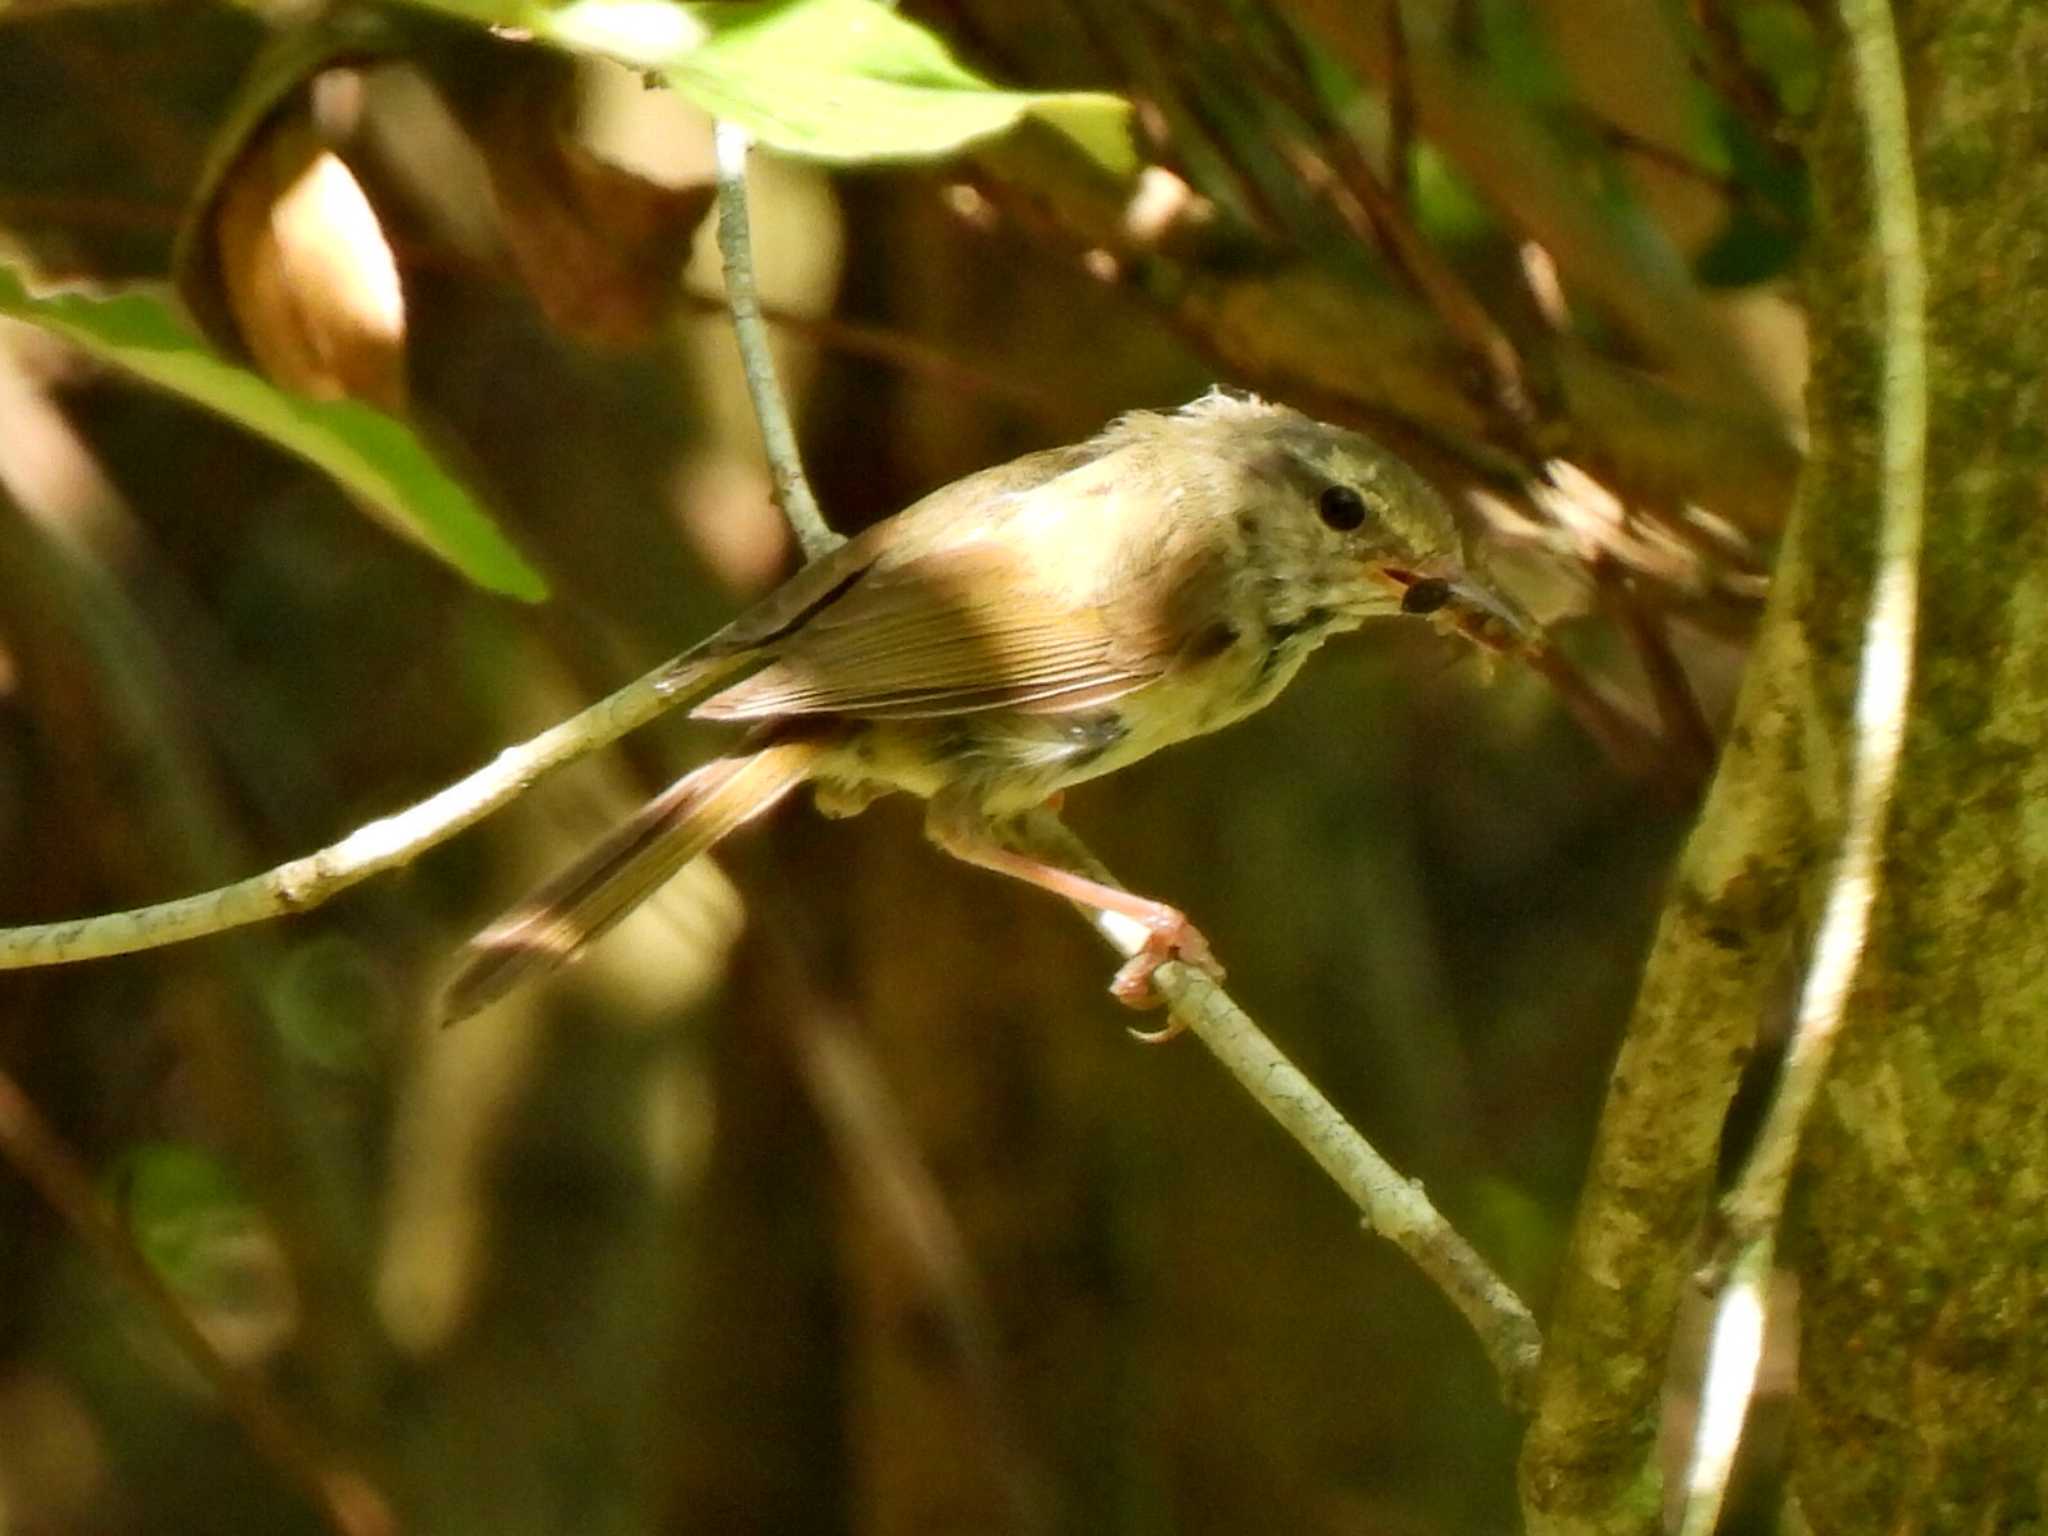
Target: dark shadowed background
829, 1194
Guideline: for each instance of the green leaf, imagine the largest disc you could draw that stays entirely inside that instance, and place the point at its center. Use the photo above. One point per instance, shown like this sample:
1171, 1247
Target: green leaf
328, 1006
1770, 211
1781, 40
1447, 207
180, 1203
845, 81
368, 453
851, 80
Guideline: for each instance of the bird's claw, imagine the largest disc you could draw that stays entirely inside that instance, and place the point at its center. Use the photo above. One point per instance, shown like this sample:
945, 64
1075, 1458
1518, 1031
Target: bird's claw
1170, 937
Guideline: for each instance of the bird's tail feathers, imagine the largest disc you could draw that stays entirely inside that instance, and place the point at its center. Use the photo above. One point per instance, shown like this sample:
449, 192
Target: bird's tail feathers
561, 917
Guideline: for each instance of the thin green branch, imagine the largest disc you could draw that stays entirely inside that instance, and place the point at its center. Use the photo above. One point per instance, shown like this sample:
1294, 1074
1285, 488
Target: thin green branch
743, 297
303, 883
1886, 676
1752, 1208
1393, 1205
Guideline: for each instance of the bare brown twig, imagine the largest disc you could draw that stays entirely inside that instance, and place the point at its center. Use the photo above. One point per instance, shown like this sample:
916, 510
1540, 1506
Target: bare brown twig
1729, 71
1337, 169
1400, 109
1689, 739
348, 1503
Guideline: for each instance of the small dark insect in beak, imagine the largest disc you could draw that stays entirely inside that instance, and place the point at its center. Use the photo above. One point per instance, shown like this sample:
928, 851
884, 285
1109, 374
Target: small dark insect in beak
1426, 595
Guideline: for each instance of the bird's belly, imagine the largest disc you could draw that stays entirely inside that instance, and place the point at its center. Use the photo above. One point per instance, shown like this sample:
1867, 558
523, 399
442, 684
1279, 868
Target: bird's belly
1007, 760
1012, 760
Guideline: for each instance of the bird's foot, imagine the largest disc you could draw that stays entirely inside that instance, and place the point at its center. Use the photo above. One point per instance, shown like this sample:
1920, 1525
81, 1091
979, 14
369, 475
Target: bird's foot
1169, 936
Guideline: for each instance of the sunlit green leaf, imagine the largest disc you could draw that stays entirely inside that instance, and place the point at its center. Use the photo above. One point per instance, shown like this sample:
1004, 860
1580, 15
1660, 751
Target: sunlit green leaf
1446, 206
838, 80
849, 80
367, 452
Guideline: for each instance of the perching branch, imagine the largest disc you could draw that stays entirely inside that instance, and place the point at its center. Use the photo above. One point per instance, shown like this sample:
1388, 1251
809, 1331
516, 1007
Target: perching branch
1393, 1206
388, 843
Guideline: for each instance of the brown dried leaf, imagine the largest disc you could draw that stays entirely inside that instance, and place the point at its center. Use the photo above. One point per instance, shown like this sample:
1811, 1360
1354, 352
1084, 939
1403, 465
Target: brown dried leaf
308, 274
600, 248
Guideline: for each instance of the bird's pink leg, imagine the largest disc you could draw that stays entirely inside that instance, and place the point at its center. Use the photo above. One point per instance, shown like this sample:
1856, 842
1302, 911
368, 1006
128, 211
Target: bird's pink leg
1169, 934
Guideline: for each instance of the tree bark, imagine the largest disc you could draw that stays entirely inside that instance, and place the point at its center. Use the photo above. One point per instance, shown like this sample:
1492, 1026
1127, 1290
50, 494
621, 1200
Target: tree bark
1922, 1227
1917, 1224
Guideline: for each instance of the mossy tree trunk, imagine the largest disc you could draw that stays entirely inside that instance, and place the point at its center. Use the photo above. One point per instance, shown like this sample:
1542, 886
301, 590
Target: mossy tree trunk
1922, 1234
1918, 1226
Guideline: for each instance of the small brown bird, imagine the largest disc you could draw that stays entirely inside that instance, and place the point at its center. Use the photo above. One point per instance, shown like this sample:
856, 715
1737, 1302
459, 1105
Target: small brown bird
1023, 629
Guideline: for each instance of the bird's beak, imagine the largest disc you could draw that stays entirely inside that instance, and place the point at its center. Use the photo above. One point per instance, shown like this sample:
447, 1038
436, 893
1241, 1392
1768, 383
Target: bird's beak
1487, 619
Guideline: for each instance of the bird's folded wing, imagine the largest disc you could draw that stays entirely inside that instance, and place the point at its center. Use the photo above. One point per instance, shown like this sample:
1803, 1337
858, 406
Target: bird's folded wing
965, 629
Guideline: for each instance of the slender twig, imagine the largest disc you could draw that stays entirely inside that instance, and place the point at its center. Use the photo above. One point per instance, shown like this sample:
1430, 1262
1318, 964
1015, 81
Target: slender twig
1377, 208
1629, 142
1328, 162
1688, 738
1400, 110
303, 883
743, 295
1754, 1204
1728, 70
909, 355
1886, 676
1393, 1206
1369, 210
27, 1141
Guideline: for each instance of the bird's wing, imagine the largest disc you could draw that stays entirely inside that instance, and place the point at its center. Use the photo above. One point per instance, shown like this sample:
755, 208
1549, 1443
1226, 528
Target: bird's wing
971, 626
821, 584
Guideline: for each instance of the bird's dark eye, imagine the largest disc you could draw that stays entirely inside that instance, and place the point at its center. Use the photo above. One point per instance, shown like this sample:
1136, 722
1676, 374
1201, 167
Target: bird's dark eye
1426, 595
1341, 508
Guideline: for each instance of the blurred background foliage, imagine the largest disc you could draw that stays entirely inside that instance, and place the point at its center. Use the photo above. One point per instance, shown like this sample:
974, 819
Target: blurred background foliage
829, 1193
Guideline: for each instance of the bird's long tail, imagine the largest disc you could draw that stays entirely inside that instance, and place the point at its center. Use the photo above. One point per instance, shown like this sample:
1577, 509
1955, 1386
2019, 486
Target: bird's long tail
563, 915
